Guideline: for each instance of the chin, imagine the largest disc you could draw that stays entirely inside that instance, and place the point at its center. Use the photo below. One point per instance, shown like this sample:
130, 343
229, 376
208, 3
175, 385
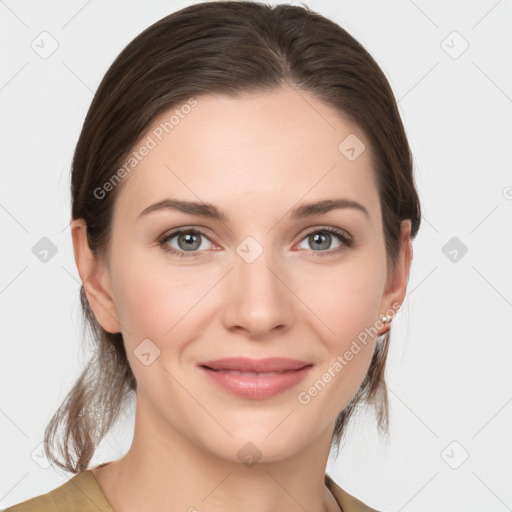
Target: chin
252, 445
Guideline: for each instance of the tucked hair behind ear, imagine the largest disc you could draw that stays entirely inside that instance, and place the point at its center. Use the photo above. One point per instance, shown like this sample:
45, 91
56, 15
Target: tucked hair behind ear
229, 48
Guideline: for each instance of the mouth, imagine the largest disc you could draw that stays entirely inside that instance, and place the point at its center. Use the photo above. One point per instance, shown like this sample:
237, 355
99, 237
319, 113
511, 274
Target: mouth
256, 378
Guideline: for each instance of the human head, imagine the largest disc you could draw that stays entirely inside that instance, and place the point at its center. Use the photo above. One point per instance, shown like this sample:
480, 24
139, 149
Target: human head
255, 50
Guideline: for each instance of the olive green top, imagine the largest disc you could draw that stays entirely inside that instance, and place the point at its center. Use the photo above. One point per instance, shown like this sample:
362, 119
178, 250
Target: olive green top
82, 493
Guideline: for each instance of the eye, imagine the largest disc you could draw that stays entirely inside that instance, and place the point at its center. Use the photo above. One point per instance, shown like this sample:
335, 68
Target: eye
188, 241
321, 238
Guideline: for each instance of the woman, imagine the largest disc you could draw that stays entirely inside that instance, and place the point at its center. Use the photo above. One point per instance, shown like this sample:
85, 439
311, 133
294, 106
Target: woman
243, 207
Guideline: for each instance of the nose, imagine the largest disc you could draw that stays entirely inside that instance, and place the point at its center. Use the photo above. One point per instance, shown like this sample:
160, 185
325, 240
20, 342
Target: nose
258, 301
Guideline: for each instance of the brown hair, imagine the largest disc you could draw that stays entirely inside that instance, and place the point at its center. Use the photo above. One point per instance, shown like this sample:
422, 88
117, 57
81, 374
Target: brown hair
229, 48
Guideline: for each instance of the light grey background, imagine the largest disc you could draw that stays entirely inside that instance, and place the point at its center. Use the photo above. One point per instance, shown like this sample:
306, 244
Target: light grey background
449, 368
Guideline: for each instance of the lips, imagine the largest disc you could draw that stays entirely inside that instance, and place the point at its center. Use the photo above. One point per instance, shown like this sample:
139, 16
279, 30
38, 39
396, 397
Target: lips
255, 378
269, 365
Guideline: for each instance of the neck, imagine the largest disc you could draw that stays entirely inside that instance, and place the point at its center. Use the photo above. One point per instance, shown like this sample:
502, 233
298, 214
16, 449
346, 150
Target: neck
165, 470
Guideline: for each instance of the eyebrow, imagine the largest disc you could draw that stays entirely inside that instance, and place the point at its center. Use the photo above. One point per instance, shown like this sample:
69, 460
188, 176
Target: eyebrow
211, 211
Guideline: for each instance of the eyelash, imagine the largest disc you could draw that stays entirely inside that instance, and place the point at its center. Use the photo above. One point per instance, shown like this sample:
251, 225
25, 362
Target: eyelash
346, 240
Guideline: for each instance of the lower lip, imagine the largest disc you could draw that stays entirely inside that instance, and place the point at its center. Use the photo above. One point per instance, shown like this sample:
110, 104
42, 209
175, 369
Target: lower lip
256, 386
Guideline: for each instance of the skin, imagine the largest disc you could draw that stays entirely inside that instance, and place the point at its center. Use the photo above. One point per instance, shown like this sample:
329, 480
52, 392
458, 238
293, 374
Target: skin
256, 157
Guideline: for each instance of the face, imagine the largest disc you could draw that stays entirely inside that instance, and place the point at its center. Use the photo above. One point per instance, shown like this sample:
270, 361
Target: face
263, 281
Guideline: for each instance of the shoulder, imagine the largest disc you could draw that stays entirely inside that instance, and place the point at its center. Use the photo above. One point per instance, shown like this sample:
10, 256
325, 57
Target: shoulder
346, 501
81, 492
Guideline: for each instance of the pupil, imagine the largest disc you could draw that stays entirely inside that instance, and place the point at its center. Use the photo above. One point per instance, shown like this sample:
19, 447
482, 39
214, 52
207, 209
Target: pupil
190, 241
319, 237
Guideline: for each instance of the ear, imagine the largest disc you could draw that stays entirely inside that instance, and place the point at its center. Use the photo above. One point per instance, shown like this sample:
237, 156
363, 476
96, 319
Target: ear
95, 278
396, 286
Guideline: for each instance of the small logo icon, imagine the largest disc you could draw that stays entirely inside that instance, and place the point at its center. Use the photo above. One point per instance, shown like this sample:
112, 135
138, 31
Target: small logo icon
45, 45
455, 455
454, 45
249, 249
454, 249
44, 250
351, 147
39, 457
249, 455
146, 352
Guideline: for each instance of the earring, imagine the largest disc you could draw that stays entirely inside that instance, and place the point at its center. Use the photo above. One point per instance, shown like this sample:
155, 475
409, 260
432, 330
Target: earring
385, 319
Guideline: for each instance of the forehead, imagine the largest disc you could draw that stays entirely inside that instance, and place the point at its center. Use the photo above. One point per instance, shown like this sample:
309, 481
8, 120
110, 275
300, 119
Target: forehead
265, 150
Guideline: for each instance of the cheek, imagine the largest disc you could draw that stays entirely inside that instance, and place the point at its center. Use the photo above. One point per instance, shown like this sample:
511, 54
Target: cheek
346, 300
348, 311
156, 302
141, 307
147, 300
156, 306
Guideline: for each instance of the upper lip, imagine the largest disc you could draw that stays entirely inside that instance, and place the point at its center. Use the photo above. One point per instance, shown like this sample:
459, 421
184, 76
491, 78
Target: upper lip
243, 364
